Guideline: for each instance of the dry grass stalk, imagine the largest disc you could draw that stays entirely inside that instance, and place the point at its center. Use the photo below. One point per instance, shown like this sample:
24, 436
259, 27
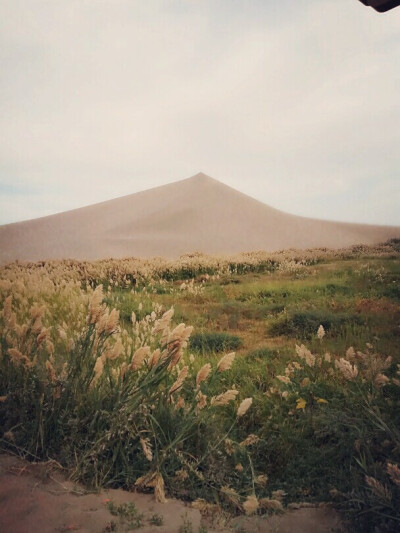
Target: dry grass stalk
146, 481
201, 400
203, 374
306, 355
139, 356
231, 496
251, 504
224, 398
378, 489
200, 504
394, 473
43, 336
111, 323
278, 495
96, 308
321, 332
154, 358
226, 362
179, 381
270, 504
180, 403
229, 449
51, 372
146, 447
159, 491
348, 370
205, 508
244, 407
17, 358
181, 475
9, 435
97, 370
163, 322
261, 480
381, 380
153, 480
249, 440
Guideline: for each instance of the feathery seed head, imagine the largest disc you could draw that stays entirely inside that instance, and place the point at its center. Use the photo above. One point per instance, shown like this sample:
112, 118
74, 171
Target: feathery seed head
146, 447
251, 504
139, 356
226, 362
181, 378
224, 398
201, 400
154, 358
321, 332
249, 440
394, 473
244, 407
203, 374
267, 503
348, 370
378, 489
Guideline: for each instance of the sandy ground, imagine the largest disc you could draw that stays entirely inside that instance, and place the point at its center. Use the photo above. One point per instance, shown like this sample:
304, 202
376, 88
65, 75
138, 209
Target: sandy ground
196, 214
36, 498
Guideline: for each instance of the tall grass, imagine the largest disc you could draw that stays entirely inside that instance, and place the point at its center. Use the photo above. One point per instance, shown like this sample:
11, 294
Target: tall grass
117, 407
99, 371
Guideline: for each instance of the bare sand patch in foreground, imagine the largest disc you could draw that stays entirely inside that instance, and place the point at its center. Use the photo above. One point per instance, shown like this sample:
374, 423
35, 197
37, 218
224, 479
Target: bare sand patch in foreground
36, 498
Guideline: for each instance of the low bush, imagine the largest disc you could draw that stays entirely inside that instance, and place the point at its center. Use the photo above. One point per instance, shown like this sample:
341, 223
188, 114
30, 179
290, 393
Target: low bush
392, 292
332, 289
339, 437
304, 324
214, 342
261, 353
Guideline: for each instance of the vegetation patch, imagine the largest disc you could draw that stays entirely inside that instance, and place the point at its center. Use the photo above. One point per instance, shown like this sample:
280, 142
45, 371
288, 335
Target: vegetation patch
120, 384
304, 324
214, 342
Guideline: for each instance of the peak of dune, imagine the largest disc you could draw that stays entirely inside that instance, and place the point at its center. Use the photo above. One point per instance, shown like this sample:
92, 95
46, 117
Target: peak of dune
200, 177
203, 181
199, 213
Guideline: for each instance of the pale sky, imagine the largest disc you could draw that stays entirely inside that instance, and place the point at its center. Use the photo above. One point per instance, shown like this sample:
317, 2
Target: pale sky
296, 103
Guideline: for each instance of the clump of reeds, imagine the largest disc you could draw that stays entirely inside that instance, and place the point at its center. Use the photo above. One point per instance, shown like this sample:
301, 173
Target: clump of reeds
358, 392
116, 404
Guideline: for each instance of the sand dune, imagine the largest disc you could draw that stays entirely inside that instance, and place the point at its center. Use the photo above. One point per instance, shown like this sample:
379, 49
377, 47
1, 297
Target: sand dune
196, 214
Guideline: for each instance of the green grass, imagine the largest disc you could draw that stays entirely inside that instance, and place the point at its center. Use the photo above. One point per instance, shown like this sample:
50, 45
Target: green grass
214, 342
304, 324
347, 430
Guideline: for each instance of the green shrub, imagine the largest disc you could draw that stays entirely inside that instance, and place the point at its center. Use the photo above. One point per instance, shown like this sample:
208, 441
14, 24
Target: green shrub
304, 324
261, 353
332, 288
340, 437
392, 292
214, 342
264, 295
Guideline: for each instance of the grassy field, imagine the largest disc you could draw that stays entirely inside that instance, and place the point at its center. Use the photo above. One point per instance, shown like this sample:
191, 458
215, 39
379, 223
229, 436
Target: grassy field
247, 382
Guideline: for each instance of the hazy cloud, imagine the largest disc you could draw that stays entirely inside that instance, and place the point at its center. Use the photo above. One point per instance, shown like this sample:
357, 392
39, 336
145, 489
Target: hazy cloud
296, 104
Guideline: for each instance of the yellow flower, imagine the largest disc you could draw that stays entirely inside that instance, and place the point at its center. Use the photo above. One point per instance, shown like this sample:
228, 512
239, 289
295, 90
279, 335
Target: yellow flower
300, 403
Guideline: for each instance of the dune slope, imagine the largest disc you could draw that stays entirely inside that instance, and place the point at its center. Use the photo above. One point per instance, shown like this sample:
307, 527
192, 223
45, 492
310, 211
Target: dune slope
196, 214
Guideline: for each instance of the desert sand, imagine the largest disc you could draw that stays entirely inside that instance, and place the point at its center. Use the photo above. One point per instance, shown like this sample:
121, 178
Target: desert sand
38, 498
197, 214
